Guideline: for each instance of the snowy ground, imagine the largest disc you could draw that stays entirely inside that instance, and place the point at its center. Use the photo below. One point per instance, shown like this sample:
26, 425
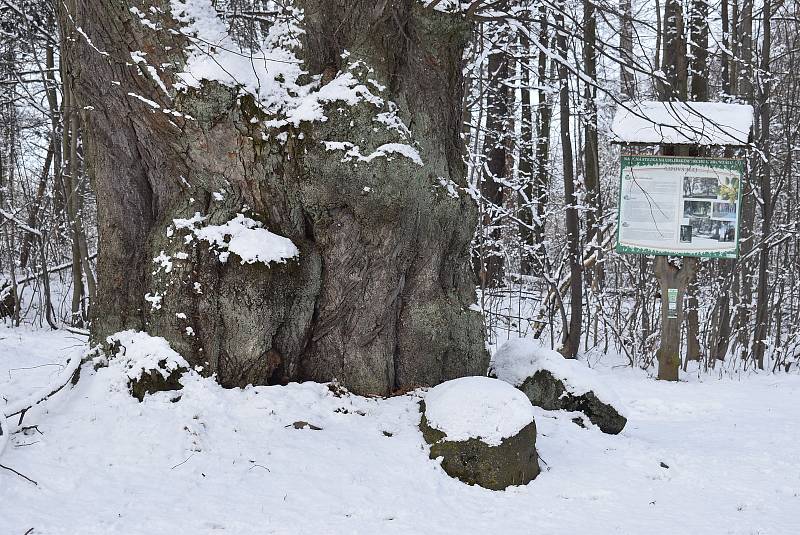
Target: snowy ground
224, 461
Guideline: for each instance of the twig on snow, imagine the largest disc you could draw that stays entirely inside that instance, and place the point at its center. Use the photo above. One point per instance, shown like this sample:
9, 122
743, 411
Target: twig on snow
183, 462
66, 376
23, 476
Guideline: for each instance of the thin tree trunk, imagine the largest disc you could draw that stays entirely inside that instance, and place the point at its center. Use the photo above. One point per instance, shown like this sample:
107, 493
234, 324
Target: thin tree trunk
69, 146
492, 267
698, 69
722, 328
33, 215
572, 335
591, 160
627, 79
698, 32
541, 175
761, 331
528, 215
49, 313
744, 82
726, 43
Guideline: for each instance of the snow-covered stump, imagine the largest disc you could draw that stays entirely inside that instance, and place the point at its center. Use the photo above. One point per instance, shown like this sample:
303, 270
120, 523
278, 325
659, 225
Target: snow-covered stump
554, 383
148, 363
483, 430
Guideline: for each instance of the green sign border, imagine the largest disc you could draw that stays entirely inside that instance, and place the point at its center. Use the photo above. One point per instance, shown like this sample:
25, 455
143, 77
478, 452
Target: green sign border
731, 164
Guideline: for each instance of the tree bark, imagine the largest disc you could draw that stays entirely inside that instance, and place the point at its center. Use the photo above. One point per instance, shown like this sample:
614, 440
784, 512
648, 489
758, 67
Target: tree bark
528, 216
33, 215
594, 200
380, 295
627, 78
698, 68
492, 268
572, 336
671, 277
726, 57
698, 62
744, 88
541, 176
674, 62
720, 337
761, 331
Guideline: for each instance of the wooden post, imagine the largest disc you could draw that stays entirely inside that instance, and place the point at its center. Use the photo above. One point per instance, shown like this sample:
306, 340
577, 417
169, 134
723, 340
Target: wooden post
673, 282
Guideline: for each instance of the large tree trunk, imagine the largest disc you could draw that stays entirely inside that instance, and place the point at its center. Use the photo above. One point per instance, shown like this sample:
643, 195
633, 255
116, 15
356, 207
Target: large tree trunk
380, 294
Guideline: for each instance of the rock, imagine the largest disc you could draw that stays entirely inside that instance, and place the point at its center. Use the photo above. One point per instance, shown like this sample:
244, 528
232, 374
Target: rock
548, 392
554, 383
483, 430
300, 424
578, 420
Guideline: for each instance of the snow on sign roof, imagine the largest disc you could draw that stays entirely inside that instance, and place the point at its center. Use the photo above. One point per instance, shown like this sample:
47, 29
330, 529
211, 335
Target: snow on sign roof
683, 123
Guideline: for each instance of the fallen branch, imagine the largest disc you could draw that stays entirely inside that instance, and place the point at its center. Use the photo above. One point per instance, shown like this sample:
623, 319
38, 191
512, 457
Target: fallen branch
5, 434
20, 224
23, 476
54, 269
66, 376
79, 332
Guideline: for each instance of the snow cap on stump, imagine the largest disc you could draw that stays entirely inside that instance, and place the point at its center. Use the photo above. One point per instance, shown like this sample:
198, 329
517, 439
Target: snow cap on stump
484, 431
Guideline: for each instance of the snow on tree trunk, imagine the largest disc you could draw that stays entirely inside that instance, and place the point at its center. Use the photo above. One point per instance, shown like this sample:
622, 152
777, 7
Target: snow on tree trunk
280, 215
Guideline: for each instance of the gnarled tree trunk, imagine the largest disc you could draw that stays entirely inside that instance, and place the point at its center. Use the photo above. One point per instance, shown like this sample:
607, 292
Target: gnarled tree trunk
379, 296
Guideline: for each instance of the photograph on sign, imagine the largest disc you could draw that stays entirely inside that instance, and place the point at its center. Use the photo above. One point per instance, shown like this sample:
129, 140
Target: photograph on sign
679, 206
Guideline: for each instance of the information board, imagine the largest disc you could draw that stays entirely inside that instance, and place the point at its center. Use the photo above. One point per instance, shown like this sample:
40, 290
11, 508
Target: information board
679, 206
